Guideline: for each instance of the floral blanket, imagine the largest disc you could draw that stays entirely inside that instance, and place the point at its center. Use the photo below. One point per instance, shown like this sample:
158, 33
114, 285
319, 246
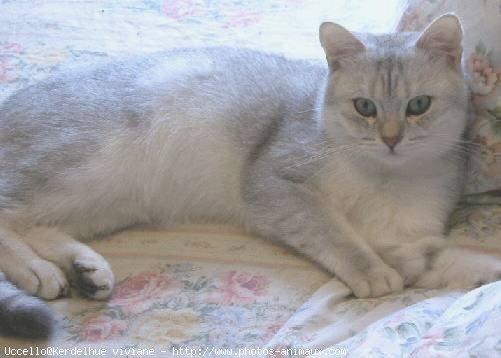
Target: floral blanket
212, 290
199, 287
416, 323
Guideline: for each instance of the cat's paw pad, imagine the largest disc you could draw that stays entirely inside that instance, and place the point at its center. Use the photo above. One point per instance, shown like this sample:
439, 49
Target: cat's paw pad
378, 281
41, 278
93, 277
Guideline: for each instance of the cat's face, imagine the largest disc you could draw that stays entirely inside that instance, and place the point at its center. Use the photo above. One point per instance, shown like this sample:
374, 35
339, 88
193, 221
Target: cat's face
395, 98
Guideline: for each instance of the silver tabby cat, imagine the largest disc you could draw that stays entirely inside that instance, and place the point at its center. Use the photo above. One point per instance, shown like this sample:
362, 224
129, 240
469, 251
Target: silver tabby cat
356, 164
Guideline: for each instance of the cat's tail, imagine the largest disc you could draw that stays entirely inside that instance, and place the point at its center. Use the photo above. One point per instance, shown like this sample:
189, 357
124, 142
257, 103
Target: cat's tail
22, 315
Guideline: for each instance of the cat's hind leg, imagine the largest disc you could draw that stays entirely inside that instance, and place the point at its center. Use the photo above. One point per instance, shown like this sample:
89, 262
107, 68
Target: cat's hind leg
28, 270
87, 270
460, 268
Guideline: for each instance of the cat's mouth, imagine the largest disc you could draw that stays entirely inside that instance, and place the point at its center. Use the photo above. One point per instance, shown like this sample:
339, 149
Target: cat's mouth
394, 156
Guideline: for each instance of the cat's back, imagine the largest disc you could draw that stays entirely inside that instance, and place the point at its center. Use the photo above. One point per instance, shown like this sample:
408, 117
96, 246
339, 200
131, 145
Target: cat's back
120, 93
162, 123
235, 93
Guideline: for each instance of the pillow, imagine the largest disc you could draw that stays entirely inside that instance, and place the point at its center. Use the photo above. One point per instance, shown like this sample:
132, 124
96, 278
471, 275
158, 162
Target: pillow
482, 66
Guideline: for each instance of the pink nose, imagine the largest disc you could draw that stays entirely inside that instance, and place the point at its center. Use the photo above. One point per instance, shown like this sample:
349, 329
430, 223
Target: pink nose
391, 142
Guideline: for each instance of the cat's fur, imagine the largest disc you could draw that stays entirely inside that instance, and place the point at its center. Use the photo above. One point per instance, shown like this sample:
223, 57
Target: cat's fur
255, 140
23, 315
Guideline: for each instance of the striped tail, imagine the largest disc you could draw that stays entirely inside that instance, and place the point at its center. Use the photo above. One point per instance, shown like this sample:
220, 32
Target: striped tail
22, 315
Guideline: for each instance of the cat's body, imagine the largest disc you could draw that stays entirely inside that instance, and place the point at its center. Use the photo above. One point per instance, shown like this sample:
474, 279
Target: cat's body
244, 138
164, 124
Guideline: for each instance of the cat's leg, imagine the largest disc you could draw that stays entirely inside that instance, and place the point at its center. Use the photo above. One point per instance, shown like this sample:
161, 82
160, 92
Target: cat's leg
28, 270
290, 213
88, 270
411, 259
456, 267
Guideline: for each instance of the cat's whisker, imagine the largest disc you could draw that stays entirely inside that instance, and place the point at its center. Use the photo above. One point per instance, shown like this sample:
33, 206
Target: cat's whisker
454, 152
329, 151
310, 110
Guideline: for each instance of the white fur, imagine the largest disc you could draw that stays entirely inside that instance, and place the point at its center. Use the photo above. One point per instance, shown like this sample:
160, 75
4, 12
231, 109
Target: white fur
59, 248
460, 268
143, 179
26, 269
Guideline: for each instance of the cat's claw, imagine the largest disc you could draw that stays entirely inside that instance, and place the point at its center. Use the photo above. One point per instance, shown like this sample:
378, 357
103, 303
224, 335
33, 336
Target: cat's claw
378, 281
93, 277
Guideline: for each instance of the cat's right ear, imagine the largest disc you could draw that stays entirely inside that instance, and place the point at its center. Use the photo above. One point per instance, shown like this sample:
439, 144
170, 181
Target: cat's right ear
443, 37
338, 43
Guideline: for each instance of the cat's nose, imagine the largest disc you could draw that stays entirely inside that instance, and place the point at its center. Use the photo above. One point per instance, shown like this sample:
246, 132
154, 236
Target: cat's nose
391, 132
391, 142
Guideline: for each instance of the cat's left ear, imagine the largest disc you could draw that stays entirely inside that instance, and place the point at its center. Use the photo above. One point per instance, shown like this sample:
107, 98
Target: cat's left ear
443, 37
338, 43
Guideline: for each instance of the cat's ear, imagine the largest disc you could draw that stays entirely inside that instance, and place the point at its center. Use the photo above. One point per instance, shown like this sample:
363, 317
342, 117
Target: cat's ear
338, 43
443, 37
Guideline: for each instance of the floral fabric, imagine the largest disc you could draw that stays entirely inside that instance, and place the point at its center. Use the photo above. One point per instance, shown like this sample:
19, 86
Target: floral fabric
37, 37
189, 288
433, 324
415, 323
482, 64
216, 288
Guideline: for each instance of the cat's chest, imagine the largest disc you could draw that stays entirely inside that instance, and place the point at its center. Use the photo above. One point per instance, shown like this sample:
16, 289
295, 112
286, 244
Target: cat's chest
387, 210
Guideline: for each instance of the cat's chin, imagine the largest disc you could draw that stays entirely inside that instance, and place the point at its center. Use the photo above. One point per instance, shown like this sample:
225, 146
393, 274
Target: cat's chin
395, 156
395, 161
390, 158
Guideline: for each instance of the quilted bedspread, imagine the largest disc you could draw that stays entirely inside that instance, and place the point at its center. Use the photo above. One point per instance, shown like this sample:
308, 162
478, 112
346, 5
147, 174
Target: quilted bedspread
213, 291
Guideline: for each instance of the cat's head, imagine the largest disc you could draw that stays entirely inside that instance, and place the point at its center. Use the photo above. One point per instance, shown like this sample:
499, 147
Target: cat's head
395, 98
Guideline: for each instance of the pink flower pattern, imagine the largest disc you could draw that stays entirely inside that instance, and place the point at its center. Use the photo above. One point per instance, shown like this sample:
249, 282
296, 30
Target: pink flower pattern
239, 288
4, 74
180, 9
243, 19
140, 292
102, 328
484, 78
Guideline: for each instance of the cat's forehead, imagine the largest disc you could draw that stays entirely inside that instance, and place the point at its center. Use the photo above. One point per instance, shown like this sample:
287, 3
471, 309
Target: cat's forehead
390, 45
391, 67
385, 51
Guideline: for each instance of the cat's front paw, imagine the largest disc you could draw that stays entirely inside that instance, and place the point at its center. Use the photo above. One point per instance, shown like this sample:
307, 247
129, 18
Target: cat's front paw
412, 259
461, 269
41, 278
378, 280
93, 277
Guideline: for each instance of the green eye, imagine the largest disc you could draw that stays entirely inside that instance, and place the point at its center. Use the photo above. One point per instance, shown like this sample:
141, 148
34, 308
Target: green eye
418, 105
365, 107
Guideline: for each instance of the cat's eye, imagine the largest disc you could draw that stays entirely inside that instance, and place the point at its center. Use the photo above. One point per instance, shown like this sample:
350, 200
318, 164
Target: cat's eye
365, 107
418, 105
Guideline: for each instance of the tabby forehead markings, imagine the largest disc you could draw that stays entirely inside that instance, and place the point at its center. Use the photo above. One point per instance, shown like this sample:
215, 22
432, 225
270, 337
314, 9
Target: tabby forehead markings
388, 79
390, 75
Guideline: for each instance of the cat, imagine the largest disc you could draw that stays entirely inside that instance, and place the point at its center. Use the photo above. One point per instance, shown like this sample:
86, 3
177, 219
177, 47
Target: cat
22, 315
356, 162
